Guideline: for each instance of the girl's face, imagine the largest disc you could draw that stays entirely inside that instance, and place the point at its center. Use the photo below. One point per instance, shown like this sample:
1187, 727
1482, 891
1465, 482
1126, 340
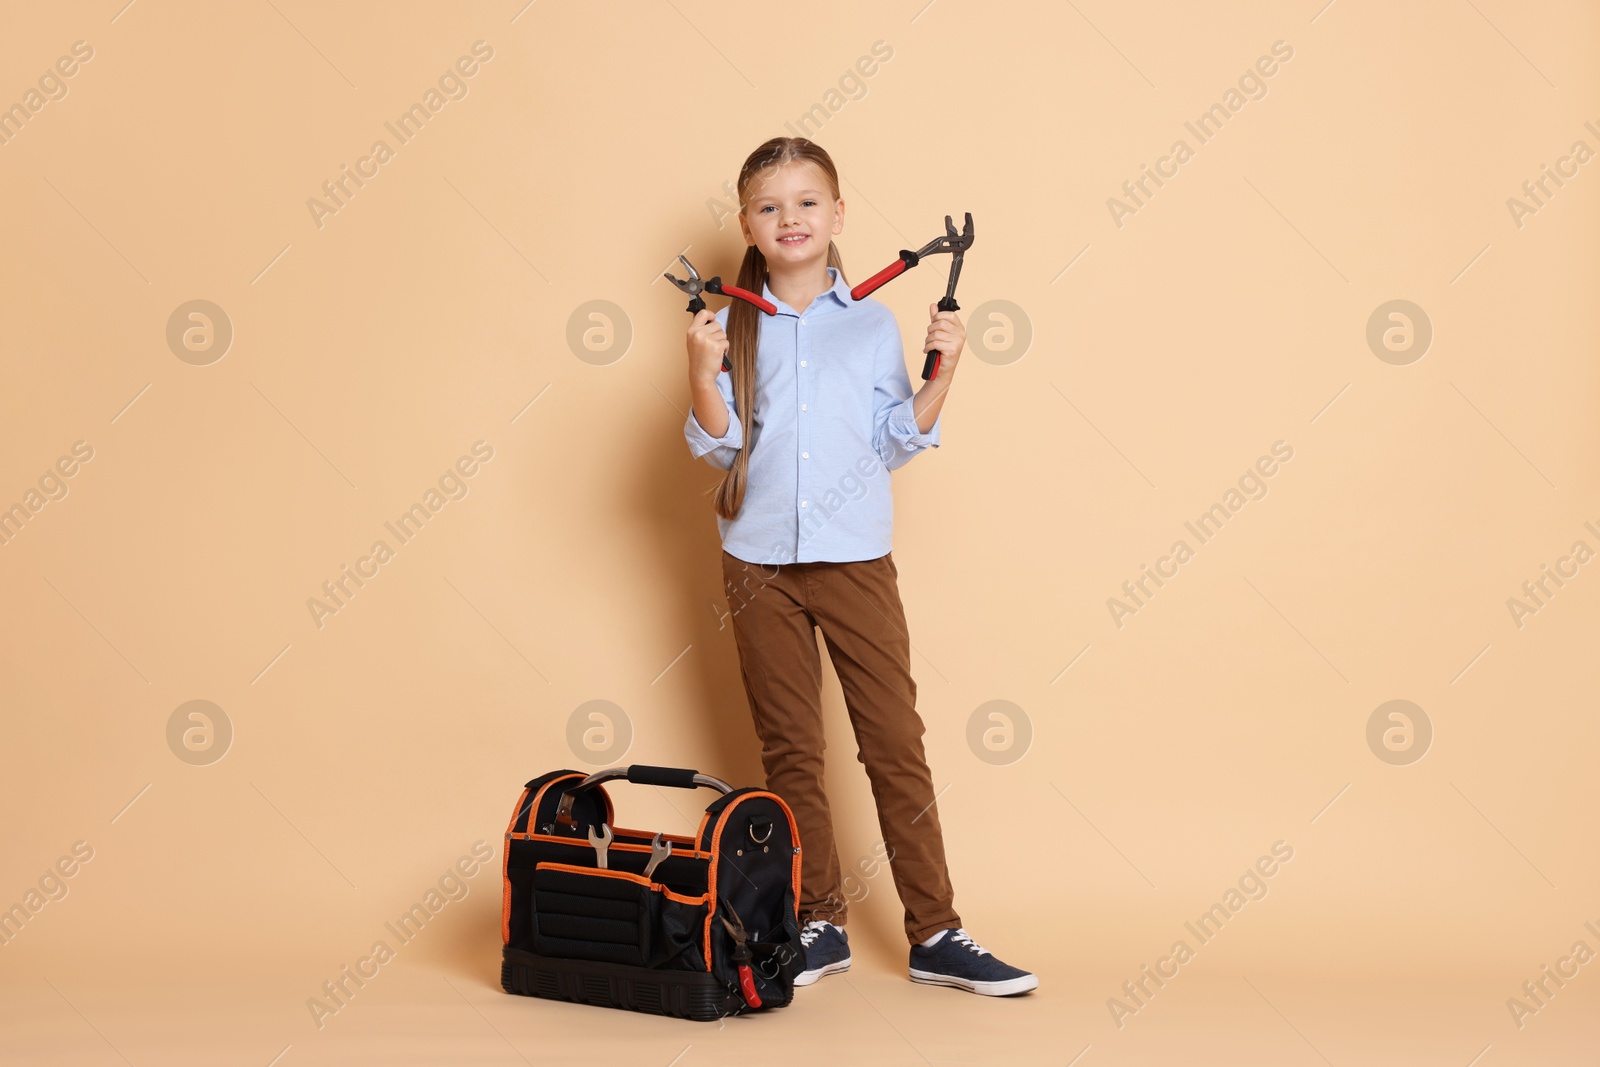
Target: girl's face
791, 216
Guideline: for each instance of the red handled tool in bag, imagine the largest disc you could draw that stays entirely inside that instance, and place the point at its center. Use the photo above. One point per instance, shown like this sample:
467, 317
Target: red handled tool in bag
952, 242
741, 959
694, 287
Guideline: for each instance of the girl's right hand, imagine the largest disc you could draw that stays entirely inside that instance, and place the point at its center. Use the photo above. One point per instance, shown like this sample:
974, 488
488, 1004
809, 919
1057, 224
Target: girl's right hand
707, 344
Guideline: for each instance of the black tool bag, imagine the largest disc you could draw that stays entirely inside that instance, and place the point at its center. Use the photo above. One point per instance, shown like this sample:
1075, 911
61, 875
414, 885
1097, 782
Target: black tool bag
713, 931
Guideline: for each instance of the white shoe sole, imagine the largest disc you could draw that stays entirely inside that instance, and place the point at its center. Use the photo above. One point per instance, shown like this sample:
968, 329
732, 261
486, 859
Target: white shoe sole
808, 977
1021, 984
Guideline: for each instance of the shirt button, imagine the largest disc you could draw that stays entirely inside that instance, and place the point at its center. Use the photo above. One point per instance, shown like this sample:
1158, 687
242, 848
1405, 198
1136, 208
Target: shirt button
802, 407
805, 455
802, 363
803, 503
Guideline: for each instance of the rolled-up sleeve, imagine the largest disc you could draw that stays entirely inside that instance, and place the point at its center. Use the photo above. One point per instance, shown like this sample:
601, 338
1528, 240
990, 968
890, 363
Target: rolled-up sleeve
718, 451
895, 432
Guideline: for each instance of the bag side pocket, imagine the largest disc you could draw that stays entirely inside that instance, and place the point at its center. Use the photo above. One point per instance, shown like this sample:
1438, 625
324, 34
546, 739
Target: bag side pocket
775, 958
678, 941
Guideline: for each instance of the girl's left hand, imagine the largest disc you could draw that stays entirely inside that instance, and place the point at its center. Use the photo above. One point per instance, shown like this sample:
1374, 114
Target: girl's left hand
947, 336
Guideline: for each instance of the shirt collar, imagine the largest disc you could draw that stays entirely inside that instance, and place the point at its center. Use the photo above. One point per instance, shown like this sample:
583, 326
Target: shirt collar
839, 291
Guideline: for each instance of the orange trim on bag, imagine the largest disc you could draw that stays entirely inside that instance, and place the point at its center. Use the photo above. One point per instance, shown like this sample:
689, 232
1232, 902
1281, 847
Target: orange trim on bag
517, 810
711, 871
505, 859
716, 839
700, 831
606, 873
647, 834
584, 843
505, 901
505, 873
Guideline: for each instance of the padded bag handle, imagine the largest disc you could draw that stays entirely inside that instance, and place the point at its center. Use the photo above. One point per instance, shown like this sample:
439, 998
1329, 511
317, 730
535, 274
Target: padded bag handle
639, 774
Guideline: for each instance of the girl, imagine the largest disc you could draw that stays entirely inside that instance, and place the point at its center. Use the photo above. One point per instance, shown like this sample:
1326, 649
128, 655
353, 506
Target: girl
815, 413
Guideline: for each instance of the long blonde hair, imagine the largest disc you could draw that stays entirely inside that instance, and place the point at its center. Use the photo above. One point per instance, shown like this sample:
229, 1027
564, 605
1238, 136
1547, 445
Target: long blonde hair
744, 321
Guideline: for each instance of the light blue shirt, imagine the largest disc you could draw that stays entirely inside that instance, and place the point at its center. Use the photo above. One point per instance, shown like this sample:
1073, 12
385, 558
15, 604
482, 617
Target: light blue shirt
833, 417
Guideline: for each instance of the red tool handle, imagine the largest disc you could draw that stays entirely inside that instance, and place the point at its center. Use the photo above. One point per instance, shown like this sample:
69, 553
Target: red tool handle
750, 298
893, 270
747, 986
715, 286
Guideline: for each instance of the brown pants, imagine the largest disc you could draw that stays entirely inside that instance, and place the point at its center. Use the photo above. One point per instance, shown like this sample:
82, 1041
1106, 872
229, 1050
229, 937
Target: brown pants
775, 609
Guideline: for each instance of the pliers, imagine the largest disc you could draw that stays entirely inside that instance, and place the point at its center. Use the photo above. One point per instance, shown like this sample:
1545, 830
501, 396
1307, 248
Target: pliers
741, 956
694, 287
952, 242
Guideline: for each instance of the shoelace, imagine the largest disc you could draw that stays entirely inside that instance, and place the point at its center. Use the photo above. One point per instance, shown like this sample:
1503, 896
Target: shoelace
812, 929
961, 938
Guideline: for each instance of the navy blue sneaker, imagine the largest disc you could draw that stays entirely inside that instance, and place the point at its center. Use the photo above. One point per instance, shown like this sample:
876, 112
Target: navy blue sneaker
825, 949
957, 960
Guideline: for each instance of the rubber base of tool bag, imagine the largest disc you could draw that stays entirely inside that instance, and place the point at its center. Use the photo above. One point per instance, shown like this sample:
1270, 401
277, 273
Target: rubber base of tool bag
697, 995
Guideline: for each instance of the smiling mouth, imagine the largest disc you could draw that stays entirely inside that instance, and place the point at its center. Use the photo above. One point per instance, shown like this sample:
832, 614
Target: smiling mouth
794, 239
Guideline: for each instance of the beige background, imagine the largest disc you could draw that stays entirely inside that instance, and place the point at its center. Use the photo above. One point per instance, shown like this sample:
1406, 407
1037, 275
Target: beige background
1228, 313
